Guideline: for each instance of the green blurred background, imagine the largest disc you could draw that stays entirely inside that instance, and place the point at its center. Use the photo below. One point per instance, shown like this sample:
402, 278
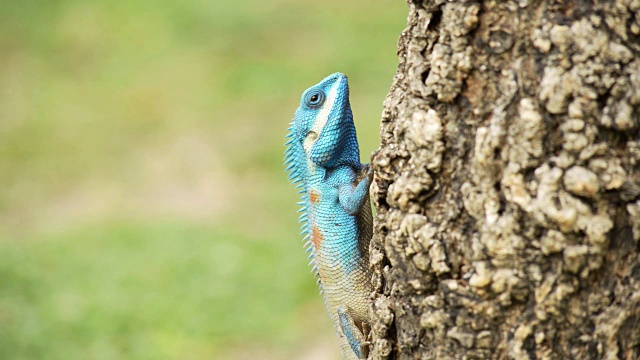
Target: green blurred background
144, 211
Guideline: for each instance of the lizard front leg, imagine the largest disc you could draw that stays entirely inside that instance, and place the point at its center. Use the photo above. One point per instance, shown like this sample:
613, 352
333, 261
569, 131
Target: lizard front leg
351, 197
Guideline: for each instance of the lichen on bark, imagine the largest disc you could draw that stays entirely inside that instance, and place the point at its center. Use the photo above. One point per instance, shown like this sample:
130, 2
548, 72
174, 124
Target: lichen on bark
507, 184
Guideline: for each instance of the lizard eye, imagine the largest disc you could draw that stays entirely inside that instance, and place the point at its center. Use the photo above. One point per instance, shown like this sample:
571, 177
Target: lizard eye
314, 99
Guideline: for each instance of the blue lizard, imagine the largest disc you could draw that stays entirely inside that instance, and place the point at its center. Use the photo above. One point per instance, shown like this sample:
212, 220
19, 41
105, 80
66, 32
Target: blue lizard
323, 159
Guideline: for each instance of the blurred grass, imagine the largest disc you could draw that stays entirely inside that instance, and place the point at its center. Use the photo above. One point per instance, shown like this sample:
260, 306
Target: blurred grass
144, 212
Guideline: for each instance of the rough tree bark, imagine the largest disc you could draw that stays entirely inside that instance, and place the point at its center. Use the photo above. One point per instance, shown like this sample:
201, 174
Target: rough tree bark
508, 183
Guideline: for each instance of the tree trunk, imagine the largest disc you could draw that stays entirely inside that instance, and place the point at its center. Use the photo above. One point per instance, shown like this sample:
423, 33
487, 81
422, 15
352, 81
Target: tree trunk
508, 184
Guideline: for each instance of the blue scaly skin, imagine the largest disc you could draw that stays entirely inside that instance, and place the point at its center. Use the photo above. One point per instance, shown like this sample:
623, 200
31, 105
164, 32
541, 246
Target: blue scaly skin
324, 160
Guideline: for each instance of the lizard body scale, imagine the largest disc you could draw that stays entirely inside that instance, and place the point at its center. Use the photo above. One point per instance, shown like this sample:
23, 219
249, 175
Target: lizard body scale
323, 159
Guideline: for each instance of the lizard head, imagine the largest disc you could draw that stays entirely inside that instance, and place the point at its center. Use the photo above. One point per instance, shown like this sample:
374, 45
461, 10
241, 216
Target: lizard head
322, 132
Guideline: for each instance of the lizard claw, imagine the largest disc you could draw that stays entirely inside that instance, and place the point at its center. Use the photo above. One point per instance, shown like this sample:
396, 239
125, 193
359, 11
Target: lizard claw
368, 170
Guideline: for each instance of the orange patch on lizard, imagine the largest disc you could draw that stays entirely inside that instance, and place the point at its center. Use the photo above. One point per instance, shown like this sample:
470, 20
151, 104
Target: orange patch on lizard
316, 237
314, 196
321, 274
